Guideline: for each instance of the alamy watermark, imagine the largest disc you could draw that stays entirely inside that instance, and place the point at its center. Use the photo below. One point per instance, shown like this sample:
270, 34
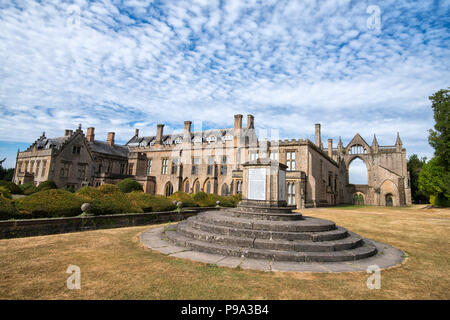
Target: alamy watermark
374, 281
74, 281
374, 21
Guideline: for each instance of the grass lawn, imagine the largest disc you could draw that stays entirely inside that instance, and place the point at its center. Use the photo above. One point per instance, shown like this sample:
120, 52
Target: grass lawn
115, 266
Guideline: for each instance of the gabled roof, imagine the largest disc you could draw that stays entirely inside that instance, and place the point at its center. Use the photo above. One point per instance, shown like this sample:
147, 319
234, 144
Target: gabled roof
357, 139
104, 148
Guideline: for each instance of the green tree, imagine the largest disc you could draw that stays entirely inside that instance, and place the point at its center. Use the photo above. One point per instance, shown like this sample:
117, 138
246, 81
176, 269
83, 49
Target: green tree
439, 138
414, 165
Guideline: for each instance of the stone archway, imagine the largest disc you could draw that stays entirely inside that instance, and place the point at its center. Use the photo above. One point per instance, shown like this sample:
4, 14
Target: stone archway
359, 198
168, 189
389, 194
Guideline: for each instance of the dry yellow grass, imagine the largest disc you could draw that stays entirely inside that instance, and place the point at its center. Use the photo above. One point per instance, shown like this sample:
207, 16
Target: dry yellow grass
115, 266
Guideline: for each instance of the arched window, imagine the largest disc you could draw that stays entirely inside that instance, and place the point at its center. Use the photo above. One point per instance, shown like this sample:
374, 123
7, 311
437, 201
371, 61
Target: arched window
357, 172
208, 187
238, 186
197, 187
186, 186
291, 193
225, 190
169, 189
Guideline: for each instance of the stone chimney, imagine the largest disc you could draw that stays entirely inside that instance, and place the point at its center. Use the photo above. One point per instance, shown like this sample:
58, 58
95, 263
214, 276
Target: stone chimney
68, 132
330, 148
136, 133
318, 136
238, 121
90, 134
110, 139
250, 121
159, 133
187, 131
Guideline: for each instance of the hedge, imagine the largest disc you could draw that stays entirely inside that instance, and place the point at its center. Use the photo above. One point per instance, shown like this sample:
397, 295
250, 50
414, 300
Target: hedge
47, 185
149, 203
5, 192
7, 209
49, 204
107, 199
204, 199
129, 185
185, 198
11, 186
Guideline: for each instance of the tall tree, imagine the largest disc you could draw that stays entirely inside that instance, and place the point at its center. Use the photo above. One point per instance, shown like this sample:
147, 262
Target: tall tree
434, 178
414, 165
439, 138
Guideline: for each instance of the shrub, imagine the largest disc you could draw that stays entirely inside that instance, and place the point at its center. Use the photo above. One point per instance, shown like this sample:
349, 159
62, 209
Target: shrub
11, 186
107, 199
5, 192
210, 199
28, 188
184, 198
47, 185
150, 203
48, 204
7, 209
128, 185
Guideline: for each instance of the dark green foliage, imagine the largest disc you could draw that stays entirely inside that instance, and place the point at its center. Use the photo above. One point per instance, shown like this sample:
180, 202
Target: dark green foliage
6, 174
439, 138
185, 198
11, 186
48, 204
150, 203
414, 165
204, 199
47, 185
128, 185
107, 199
7, 209
28, 188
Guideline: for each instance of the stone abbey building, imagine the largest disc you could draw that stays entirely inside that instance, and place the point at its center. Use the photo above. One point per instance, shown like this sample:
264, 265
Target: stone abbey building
211, 161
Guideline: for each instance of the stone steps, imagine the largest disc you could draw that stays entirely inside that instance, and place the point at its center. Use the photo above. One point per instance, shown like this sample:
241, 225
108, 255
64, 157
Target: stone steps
365, 250
307, 224
336, 234
263, 216
349, 242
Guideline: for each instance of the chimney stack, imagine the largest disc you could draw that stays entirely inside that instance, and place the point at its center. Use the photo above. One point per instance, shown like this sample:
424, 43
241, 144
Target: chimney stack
187, 131
250, 121
110, 139
330, 148
318, 136
159, 133
68, 132
238, 121
136, 132
90, 134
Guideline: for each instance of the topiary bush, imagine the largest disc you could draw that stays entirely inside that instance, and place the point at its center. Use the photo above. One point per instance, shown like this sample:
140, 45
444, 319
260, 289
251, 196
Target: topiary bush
11, 186
129, 185
184, 198
151, 203
210, 199
49, 204
5, 192
203, 199
47, 185
7, 209
107, 199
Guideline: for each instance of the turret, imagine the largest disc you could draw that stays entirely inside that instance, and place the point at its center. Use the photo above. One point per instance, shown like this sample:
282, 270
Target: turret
398, 143
374, 144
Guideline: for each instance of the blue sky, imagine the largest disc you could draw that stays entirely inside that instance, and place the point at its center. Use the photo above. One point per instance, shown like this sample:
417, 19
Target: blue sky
120, 65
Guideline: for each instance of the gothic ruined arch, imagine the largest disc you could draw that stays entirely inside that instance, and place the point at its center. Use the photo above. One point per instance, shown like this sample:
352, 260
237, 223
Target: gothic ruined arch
386, 171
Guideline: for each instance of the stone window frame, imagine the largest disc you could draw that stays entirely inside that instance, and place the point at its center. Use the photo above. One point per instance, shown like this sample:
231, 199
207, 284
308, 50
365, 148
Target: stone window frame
210, 168
148, 166
81, 172
195, 165
290, 160
64, 171
44, 167
76, 149
164, 165
174, 166
290, 194
223, 165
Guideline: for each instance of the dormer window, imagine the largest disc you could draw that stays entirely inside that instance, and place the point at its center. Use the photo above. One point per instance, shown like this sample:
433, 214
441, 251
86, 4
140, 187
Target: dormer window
178, 140
211, 139
197, 140
227, 138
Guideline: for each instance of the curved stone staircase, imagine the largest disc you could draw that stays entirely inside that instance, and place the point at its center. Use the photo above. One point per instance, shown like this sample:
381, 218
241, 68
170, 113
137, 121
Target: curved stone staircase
269, 233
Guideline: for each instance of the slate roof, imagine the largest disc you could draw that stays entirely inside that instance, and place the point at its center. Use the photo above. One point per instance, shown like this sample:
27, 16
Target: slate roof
170, 139
46, 143
105, 148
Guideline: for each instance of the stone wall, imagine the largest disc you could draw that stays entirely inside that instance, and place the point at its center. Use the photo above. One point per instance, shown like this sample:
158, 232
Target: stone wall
39, 227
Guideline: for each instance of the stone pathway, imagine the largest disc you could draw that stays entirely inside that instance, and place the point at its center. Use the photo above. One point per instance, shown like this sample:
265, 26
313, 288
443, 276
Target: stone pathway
387, 256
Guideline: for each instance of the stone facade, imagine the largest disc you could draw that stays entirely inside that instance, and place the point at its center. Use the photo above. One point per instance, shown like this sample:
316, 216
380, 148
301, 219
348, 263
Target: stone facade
212, 161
